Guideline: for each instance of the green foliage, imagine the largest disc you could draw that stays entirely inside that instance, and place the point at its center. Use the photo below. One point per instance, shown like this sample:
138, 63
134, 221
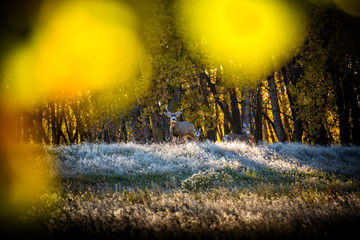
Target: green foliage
314, 91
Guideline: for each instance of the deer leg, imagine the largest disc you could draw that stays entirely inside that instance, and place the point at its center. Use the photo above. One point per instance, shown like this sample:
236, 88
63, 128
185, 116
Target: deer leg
179, 140
193, 138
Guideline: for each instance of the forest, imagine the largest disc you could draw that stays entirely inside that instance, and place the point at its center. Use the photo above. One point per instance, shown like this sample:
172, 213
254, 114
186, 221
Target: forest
87, 148
312, 98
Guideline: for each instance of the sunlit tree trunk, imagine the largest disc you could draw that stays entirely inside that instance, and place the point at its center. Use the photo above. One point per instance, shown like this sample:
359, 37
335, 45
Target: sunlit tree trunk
258, 115
55, 140
245, 107
222, 104
226, 126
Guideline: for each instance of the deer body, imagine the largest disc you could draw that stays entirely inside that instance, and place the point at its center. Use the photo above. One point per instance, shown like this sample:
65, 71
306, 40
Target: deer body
245, 137
236, 137
182, 130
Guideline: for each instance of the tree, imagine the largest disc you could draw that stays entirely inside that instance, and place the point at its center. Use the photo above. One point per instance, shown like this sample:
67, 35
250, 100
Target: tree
279, 129
291, 73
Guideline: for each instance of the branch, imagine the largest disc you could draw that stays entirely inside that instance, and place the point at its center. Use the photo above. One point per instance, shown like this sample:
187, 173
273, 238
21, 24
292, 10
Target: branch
291, 118
268, 119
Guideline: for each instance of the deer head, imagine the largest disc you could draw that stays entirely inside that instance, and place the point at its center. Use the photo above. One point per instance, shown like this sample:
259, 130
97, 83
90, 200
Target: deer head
244, 137
246, 128
197, 134
173, 116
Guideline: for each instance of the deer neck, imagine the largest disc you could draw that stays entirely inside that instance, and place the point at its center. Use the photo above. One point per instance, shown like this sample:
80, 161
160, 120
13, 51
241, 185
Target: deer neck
174, 128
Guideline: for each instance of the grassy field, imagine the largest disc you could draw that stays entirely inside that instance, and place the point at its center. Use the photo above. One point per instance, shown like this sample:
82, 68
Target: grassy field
206, 190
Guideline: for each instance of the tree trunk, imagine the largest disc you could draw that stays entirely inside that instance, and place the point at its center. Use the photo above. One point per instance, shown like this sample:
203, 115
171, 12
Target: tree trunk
148, 136
235, 113
349, 87
245, 108
279, 129
27, 119
209, 121
123, 131
270, 123
343, 115
258, 115
291, 73
80, 129
135, 124
341, 102
226, 126
68, 125
39, 126
322, 138
54, 123
166, 124
223, 105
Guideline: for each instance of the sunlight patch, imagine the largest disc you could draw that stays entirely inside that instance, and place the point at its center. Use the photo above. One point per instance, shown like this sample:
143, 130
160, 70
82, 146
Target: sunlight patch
250, 38
76, 46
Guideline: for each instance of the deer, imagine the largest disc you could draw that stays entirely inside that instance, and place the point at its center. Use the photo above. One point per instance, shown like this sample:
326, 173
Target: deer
197, 136
244, 137
182, 130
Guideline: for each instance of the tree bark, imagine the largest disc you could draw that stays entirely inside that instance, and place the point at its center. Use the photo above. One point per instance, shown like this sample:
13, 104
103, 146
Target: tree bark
223, 105
80, 129
148, 136
349, 87
209, 121
54, 123
258, 115
35, 127
135, 124
291, 73
341, 102
245, 108
279, 129
235, 113
123, 131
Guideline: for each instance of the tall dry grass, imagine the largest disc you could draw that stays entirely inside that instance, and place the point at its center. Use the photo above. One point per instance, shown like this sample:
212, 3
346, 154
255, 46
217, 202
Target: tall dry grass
206, 190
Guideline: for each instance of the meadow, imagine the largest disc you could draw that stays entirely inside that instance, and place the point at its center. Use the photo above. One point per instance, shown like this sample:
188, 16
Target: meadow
200, 190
